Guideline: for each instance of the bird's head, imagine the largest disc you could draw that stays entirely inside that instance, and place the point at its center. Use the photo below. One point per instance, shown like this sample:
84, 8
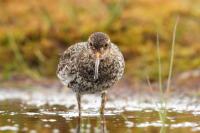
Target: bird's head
99, 44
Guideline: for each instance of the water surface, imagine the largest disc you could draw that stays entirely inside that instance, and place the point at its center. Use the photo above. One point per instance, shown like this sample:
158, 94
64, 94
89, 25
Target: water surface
50, 111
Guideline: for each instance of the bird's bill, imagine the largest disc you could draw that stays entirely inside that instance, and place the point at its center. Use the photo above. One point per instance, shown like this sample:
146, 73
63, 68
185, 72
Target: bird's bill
97, 55
97, 61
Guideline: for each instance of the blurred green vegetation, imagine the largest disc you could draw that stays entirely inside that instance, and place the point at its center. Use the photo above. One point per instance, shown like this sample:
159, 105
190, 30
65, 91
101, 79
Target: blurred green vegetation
34, 33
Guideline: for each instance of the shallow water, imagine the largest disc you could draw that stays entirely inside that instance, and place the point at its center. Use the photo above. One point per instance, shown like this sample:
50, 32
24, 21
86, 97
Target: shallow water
50, 111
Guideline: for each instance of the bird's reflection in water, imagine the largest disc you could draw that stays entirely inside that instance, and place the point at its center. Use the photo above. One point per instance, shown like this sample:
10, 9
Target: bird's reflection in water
78, 129
102, 126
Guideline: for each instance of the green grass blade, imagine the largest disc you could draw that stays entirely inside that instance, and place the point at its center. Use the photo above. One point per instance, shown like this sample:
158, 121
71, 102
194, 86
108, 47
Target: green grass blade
159, 64
172, 55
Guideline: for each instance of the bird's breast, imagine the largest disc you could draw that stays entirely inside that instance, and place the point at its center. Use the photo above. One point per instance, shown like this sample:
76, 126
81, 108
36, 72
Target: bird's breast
108, 70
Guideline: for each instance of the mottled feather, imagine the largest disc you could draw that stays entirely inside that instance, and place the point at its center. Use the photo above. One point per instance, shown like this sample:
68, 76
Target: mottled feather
76, 69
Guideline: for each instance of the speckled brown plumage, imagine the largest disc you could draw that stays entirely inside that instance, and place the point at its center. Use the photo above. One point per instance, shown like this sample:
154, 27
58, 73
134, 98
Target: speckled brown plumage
76, 67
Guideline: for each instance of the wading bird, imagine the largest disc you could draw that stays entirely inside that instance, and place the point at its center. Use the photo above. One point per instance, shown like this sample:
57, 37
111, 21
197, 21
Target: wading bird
91, 67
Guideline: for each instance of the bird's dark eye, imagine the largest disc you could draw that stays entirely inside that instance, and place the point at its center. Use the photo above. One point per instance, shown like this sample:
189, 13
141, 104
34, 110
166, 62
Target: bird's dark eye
106, 45
90, 44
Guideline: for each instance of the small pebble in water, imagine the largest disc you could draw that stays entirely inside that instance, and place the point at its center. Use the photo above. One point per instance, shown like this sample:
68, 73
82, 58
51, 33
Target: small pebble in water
88, 126
32, 131
55, 131
129, 124
47, 125
8, 128
184, 124
8, 120
25, 129
12, 113
196, 129
48, 120
52, 120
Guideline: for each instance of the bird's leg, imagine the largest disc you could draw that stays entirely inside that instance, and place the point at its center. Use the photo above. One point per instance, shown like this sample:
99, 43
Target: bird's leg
103, 101
78, 97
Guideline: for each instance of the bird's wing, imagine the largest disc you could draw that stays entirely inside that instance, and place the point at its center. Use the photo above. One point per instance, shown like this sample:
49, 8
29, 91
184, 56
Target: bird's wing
67, 67
119, 58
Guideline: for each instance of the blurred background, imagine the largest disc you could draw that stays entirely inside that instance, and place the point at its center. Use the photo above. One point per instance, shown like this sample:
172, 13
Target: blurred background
33, 33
